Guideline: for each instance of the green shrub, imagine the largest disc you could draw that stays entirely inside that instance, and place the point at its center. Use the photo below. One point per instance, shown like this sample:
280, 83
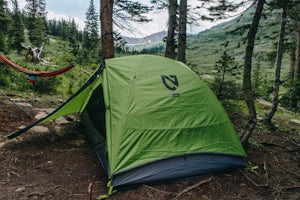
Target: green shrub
47, 85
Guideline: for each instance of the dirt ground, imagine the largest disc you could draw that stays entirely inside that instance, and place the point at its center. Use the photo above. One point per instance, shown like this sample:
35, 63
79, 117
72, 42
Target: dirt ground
59, 163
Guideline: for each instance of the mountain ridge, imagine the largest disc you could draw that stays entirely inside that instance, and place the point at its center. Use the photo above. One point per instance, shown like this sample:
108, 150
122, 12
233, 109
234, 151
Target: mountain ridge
149, 39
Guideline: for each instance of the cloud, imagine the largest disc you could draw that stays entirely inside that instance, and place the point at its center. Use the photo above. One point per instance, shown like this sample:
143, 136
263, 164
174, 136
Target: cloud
71, 9
21, 4
76, 9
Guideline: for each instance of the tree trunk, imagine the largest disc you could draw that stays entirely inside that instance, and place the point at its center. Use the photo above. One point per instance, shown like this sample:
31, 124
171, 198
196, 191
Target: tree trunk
292, 78
182, 31
107, 40
34, 54
219, 95
292, 64
248, 92
297, 65
275, 100
170, 43
296, 80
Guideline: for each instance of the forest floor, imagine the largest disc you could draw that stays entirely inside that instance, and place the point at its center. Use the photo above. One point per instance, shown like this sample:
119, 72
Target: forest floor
56, 161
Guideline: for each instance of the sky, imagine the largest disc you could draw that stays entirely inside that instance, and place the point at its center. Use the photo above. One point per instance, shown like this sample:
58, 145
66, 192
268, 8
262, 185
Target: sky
68, 9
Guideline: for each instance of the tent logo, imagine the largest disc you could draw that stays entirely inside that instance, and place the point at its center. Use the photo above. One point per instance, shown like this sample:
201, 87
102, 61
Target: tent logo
170, 82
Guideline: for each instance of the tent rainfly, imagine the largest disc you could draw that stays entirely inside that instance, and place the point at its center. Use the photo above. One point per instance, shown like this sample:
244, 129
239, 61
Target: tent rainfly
151, 119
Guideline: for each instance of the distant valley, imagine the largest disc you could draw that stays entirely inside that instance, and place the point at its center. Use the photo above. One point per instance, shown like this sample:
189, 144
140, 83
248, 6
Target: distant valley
155, 38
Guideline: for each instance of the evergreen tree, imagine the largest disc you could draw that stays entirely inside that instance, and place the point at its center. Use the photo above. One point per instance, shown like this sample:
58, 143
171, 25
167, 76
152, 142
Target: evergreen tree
247, 82
226, 65
183, 9
16, 31
63, 29
106, 17
275, 101
177, 25
294, 17
129, 10
36, 23
172, 24
118, 12
4, 24
91, 32
72, 38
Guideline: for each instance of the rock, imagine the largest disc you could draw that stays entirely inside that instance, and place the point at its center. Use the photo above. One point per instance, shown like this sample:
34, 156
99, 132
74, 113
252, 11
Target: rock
40, 115
37, 109
295, 122
265, 104
268, 105
24, 104
61, 121
48, 110
40, 129
20, 189
42, 112
78, 142
57, 128
2, 144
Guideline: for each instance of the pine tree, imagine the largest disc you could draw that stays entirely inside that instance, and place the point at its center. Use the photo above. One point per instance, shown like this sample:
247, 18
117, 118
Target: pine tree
106, 17
226, 65
4, 24
172, 24
91, 33
247, 82
36, 23
279, 54
183, 9
16, 31
118, 12
129, 10
294, 17
72, 38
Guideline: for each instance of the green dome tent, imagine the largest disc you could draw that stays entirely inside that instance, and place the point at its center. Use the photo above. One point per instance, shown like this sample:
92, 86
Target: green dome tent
151, 119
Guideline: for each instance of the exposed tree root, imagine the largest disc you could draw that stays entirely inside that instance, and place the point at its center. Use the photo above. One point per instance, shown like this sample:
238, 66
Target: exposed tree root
192, 187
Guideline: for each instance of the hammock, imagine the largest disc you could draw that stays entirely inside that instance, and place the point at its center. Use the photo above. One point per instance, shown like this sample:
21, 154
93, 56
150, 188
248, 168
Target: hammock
31, 73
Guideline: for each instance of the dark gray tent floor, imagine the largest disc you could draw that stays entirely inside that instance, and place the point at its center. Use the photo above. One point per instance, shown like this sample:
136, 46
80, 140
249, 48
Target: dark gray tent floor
60, 164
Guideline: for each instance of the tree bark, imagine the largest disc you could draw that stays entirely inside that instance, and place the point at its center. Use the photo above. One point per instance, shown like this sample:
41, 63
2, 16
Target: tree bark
296, 74
292, 64
275, 100
182, 31
170, 43
107, 40
297, 65
219, 95
292, 78
248, 92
